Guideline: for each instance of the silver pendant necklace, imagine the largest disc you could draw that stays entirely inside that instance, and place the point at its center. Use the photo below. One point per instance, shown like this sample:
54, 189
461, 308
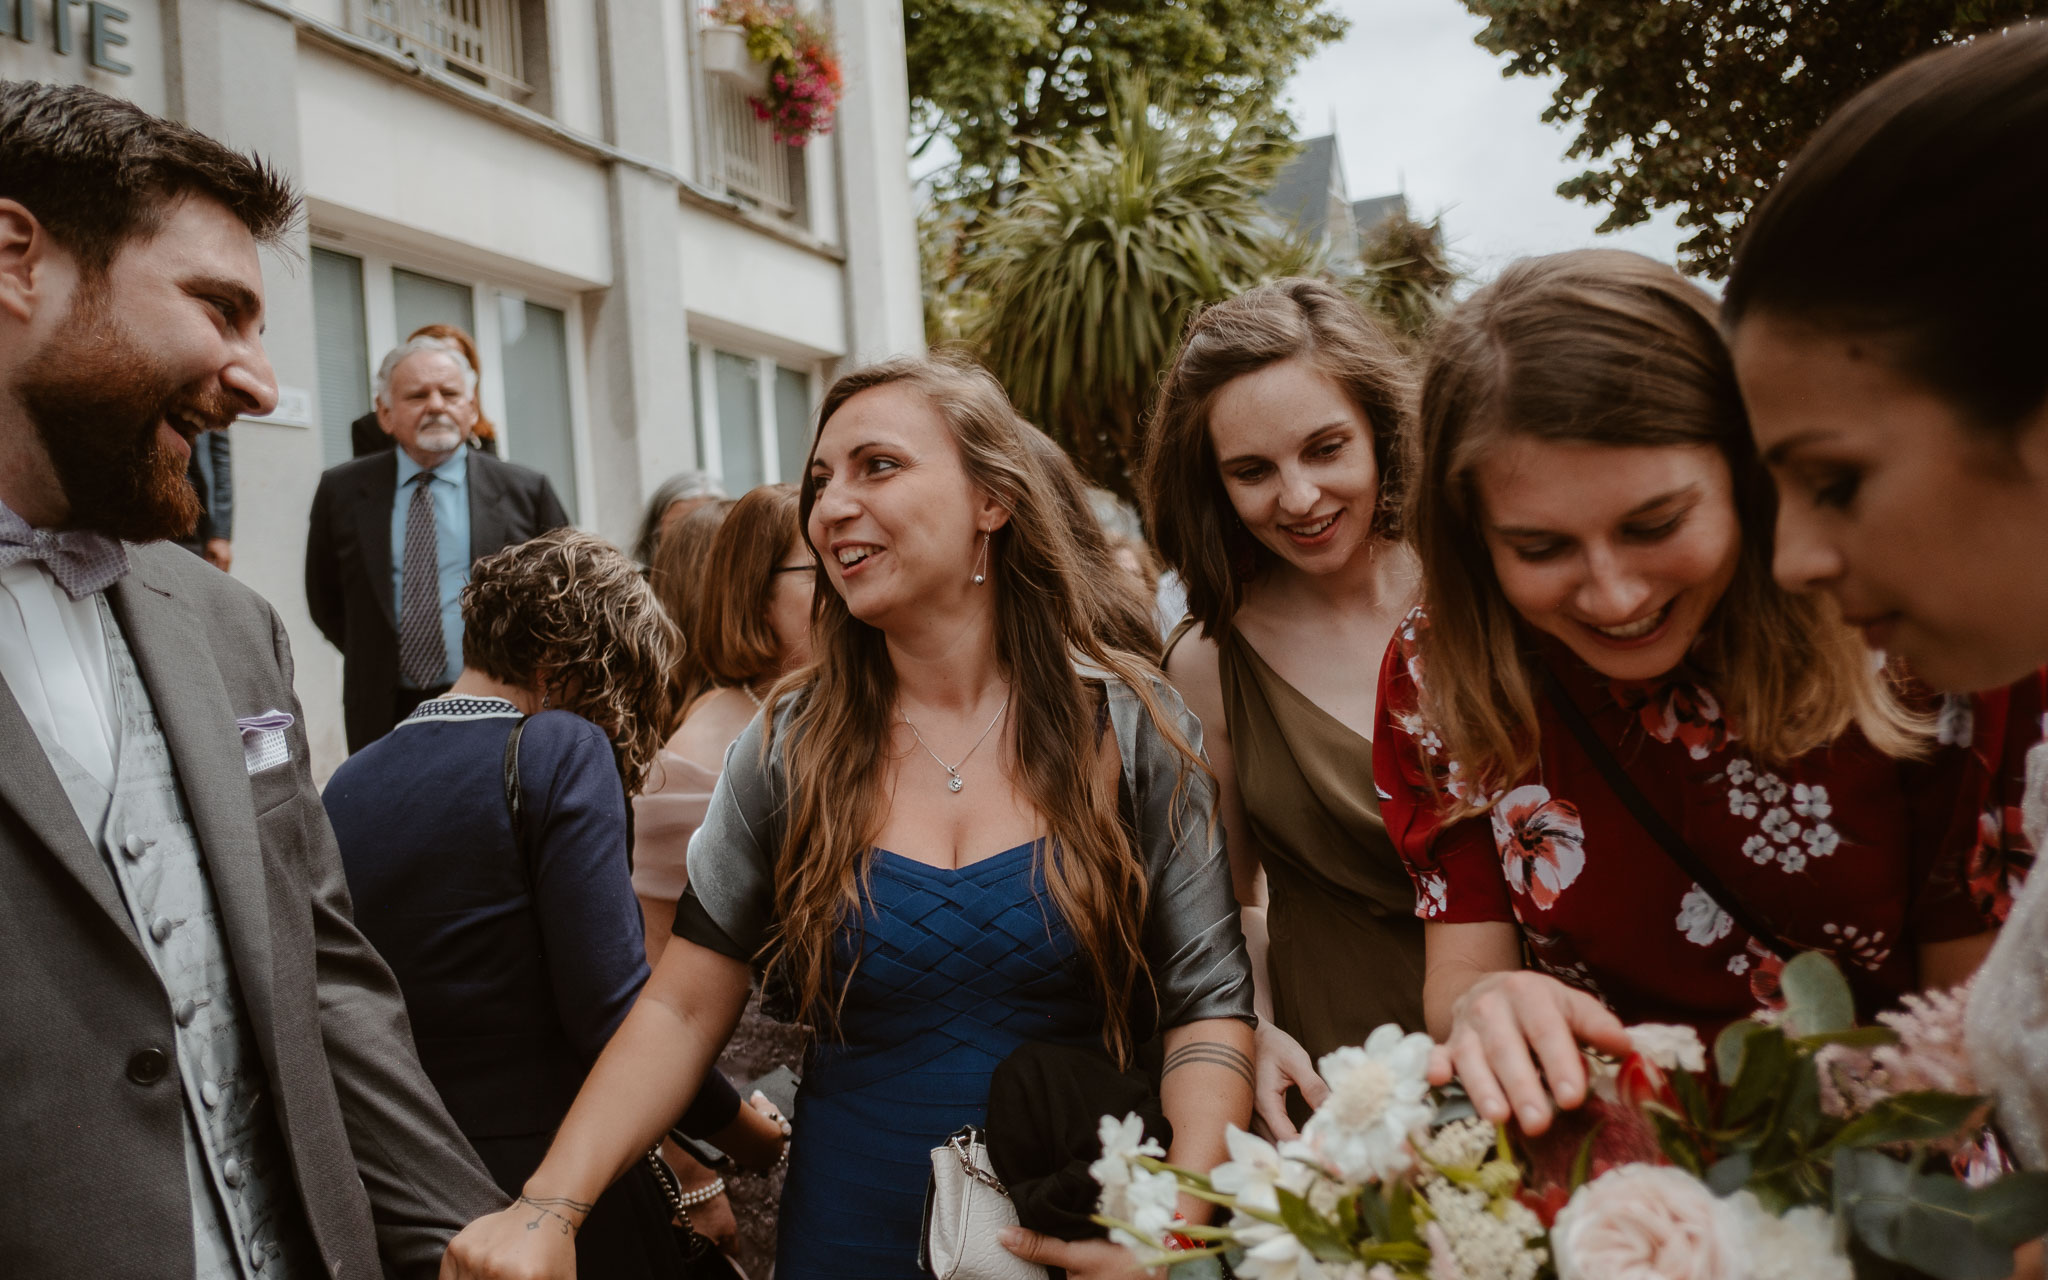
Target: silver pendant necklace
955, 782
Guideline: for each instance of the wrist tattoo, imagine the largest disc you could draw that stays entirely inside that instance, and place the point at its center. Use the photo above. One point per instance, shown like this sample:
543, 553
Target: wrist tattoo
1213, 1052
551, 1207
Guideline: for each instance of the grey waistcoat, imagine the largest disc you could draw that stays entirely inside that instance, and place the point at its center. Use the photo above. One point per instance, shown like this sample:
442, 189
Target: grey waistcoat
247, 1222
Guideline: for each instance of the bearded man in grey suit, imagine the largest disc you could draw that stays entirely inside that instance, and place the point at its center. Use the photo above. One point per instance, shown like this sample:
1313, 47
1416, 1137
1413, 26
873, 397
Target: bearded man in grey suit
204, 1069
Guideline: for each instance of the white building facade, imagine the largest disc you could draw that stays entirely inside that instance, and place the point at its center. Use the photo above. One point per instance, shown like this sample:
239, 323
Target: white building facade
653, 281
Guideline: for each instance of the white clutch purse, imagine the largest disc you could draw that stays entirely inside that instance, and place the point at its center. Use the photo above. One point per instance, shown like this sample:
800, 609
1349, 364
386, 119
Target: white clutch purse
964, 1207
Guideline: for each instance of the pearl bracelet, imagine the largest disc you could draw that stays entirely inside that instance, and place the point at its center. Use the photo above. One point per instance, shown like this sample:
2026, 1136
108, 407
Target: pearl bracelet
702, 1195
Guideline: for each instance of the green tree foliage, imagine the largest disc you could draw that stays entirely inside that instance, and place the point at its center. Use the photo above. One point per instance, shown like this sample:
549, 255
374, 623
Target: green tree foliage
1699, 104
1076, 290
989, 75
1404, 276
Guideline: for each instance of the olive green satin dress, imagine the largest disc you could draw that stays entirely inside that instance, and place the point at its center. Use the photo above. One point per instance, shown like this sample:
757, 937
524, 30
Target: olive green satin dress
1345, 947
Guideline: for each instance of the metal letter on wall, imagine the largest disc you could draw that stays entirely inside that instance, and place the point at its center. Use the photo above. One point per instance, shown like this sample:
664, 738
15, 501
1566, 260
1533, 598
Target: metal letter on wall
101, 37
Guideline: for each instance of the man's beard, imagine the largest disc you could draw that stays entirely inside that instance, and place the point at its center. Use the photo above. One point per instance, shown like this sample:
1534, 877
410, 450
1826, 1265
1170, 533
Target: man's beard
95, 401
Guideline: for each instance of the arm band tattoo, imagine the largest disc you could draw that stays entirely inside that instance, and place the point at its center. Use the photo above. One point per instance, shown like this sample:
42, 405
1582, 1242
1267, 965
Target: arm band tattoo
550, 1207
1214, 1053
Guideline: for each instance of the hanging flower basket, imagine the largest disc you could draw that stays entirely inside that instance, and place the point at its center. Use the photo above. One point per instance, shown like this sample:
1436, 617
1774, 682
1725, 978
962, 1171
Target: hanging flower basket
724, 53
802, 80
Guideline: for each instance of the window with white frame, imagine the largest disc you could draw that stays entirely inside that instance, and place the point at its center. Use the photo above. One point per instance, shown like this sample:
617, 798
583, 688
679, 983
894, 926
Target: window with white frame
366, 304
739, 153
500, 45
753, 417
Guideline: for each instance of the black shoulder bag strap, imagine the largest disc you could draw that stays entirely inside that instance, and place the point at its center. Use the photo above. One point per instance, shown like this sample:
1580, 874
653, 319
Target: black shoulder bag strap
1651, 821
513, 798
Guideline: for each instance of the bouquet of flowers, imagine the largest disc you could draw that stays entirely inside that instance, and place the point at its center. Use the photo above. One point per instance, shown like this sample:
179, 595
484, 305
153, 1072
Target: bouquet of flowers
1813, 1150
803, 69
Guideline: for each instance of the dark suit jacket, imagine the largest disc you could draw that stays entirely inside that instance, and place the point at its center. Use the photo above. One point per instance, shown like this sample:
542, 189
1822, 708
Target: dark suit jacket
93, 1161
349, 557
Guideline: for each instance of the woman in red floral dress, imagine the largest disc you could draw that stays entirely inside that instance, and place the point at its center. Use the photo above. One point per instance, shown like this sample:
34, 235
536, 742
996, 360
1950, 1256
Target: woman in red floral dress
1589, 507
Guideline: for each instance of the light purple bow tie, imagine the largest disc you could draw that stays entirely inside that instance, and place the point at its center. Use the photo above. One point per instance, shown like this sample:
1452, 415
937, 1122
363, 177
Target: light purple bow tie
82, 562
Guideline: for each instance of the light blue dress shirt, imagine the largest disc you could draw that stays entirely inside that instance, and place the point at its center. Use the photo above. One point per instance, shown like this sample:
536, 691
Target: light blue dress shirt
449, 491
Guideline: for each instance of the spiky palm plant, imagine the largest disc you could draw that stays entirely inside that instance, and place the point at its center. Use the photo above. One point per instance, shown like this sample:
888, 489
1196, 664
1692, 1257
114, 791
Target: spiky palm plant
1083, 282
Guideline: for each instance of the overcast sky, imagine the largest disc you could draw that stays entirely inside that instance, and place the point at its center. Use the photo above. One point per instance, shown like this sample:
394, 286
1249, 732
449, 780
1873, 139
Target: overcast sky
1418, 106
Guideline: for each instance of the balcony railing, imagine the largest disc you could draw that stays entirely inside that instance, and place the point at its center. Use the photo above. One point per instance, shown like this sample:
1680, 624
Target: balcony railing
475, 39
749, 161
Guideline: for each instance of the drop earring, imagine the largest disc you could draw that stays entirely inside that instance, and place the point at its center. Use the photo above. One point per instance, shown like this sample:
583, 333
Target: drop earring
981, 563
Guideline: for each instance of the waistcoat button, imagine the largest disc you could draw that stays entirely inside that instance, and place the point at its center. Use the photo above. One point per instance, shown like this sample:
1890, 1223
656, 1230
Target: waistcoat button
148, 1066
160, 928
209, 1093
187, 1010
231, 1172
137, 845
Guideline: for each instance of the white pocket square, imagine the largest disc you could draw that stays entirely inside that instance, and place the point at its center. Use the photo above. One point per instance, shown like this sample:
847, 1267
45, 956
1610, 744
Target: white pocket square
264, 744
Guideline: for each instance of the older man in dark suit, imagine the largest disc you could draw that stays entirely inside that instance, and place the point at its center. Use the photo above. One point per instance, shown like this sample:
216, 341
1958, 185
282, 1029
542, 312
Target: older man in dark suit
205, 1071
394, 535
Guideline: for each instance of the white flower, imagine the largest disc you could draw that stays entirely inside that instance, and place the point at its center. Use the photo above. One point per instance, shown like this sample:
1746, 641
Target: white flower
1379, 1095
1669, 1047
1486, 1240
1771, 787
1799, 1246
1740, 771
1793, 861
1701, 919
1254, 1169
1462, 1144
1149, 1205
1821, 840
1741, 803
1435, 898
1757, 850
1643, 1221
1738, 965
1116, 1171
1811, 802
1779, 825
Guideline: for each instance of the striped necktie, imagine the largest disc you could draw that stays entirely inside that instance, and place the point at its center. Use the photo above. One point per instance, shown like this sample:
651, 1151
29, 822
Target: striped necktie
422, 648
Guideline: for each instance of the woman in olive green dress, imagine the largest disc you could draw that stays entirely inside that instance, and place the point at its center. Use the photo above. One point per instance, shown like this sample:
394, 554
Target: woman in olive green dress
1270, 481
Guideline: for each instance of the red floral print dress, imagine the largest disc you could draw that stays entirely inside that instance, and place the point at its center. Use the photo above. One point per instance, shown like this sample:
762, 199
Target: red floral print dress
1843, 850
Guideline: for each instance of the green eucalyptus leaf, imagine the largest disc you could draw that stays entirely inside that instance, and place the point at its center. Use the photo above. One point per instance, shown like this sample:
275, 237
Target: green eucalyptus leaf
1691, 1098
2014, 1209
1908, 1117
1817, 997
1927, 1221
1730, 1175
1766, 1059
1800, 1115
1372, 1210
1209, 1268
1728, 1047
1855, 1037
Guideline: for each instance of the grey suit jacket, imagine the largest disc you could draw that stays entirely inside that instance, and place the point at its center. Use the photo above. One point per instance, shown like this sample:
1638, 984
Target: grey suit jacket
92, 1160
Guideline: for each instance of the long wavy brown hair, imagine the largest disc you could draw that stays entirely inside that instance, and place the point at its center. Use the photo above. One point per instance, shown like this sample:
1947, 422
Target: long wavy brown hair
1605, 347
1180, 481
570, 608
838, 735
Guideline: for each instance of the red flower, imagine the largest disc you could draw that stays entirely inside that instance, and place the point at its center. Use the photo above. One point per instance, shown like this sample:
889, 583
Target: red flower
1677, 711
1541, 843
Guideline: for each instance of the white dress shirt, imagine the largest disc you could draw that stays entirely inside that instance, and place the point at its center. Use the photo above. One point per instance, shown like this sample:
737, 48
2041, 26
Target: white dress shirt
53, 655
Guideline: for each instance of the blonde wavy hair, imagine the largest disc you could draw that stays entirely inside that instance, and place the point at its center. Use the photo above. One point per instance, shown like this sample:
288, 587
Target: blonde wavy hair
1610, 348
1048, 618
569, 609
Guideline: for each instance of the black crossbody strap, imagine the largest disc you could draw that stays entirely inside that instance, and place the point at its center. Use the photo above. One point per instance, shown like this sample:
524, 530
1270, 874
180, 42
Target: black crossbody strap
1651, 821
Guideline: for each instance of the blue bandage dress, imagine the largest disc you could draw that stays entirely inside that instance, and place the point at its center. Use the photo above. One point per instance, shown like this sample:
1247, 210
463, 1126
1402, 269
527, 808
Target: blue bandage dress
956, 969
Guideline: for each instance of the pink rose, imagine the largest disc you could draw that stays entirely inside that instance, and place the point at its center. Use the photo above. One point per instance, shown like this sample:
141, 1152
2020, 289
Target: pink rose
1644, 1222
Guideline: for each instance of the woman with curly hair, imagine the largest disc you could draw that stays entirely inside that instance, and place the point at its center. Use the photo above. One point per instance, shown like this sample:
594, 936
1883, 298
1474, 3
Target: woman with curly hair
490, 873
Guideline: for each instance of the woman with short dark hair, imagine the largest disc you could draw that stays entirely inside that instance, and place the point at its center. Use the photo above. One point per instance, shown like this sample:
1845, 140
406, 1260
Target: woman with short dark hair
492, 876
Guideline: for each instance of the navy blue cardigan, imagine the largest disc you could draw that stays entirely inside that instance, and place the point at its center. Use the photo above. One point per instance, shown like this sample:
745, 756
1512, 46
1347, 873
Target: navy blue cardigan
512, 995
